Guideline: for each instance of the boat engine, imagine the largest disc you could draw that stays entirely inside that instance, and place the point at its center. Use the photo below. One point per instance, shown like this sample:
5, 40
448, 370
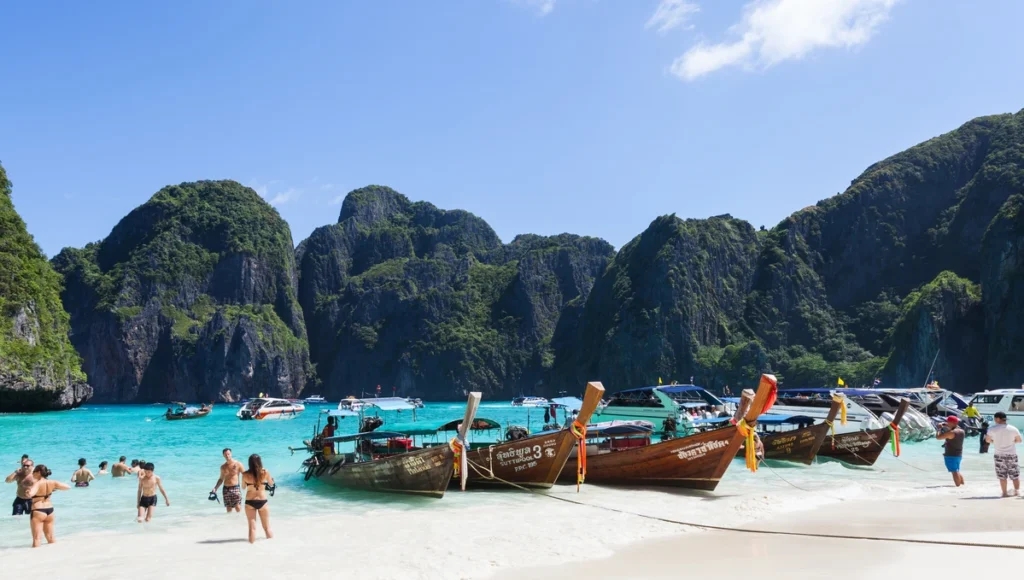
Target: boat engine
370, 424
515, 433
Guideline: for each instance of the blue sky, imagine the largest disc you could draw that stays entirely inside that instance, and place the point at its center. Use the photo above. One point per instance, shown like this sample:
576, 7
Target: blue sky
542, 116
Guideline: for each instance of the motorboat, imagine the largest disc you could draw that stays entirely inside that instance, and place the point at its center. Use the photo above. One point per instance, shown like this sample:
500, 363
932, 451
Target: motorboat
815, 403
415, 401
314, 400
266, 408
522, 401
1009, 401
351, 403
658, 404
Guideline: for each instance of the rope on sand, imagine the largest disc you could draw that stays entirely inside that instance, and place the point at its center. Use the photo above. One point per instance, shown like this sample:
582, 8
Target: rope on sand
478, 469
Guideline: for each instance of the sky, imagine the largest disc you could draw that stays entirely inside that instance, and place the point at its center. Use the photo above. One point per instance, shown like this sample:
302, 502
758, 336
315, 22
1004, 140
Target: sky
540, 116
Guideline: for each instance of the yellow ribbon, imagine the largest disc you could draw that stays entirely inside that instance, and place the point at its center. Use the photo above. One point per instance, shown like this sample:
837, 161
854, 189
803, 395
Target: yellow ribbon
458, 449
579, 431
842, 409
747, 431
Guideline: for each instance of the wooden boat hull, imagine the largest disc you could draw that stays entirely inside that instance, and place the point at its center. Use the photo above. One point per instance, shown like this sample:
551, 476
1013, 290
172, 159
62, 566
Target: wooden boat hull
798, 445
859, 448
531, 462
424, 472
695, 462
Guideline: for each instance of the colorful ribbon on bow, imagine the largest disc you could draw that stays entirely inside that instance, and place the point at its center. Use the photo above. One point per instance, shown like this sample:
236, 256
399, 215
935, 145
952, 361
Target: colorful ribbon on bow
750, 447
842, 408
579, 431
459, 449
894, 440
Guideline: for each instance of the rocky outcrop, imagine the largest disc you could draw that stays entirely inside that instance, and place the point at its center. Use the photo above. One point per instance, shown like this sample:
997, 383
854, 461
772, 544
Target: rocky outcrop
1003, 294
429, 302
191, 297
679, 285
942, 323
39, 369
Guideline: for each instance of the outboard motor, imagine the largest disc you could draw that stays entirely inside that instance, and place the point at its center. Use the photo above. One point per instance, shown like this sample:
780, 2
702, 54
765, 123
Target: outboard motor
515, 433
370, 424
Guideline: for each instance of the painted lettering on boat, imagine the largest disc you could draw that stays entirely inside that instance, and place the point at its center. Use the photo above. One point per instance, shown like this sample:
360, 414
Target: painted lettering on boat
525, 457
854, 444
698, 450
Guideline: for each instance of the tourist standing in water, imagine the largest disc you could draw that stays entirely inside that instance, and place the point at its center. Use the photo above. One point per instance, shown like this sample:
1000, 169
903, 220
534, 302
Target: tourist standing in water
42, 518
149, 483
83, 476
22, 496
120, 469
953, 448
229, 473
257, 482
1004, 438
103, 468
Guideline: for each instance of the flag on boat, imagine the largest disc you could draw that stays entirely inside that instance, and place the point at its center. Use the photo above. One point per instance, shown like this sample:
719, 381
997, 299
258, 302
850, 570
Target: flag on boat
840, 382
659, 380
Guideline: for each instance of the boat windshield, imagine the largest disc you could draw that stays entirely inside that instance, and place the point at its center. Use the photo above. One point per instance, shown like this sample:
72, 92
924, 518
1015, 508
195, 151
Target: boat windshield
636, 398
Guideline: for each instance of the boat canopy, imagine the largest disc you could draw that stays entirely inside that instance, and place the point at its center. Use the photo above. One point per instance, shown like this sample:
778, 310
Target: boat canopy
342, 413
681, 389
771, 419
614, 428
838, 391
572, 403
372, 435
389, 403
432, 427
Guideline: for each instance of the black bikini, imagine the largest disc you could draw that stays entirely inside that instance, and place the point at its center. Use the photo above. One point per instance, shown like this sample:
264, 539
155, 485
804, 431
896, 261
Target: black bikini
46, 511
257, 504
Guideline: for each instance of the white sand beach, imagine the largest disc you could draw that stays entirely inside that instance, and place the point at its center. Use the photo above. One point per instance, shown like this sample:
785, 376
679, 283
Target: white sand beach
510, 535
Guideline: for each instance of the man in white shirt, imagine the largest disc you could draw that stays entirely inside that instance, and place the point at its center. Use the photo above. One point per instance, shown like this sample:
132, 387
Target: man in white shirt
1004, 439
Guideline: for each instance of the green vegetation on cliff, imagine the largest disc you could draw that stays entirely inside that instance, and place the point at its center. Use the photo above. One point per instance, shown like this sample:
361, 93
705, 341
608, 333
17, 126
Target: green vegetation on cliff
192, 295
34, 349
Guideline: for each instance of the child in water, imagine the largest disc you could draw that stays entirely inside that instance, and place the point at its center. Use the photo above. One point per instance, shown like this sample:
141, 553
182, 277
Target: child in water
149, 482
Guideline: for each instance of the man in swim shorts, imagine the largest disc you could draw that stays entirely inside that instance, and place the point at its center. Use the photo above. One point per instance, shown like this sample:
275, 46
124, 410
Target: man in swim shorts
953, 448
1004, 439
229, 473
149, 483
23, 477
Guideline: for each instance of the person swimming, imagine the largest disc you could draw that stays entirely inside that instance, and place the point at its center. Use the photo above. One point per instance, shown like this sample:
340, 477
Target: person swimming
120, 469
41, 521
83, 476
103, 468
149, 483
23, 477
258, 482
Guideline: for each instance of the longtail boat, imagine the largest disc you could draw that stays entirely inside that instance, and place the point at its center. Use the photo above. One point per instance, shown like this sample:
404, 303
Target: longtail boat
402, 468
180, 414
799, 445
864, 447
533, 461
696, 461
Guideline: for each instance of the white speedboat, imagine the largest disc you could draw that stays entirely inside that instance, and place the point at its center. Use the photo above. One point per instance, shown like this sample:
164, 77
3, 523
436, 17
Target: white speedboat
529, 402
816, 403
314, 400
265, 409
1009, 401
351, 403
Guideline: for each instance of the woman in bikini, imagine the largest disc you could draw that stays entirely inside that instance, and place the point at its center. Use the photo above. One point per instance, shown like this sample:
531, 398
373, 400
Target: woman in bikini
41, 520
83, 476
257, 482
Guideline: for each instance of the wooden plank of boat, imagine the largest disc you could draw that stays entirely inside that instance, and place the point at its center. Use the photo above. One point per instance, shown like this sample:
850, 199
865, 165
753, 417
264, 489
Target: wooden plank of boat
423, 472
862, 447
799, 445
182, 416
533, 461
695, 462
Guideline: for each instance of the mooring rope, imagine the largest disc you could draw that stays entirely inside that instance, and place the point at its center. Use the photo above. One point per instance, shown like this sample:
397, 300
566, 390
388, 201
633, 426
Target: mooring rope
757, 531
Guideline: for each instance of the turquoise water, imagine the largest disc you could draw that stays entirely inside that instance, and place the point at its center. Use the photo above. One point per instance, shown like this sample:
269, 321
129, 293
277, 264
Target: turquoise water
187, 455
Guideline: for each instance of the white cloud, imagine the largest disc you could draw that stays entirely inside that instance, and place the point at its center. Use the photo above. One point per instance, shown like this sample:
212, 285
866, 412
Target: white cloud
773, 31
672, 14
285, 196
327, 187
543, 7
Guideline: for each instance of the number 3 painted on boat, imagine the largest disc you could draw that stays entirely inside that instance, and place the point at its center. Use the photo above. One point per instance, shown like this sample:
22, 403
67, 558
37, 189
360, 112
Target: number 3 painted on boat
536, 452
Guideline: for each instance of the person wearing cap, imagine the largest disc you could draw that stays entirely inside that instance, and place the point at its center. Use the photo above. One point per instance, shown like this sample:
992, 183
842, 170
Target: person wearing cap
1004, 439
953, 448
